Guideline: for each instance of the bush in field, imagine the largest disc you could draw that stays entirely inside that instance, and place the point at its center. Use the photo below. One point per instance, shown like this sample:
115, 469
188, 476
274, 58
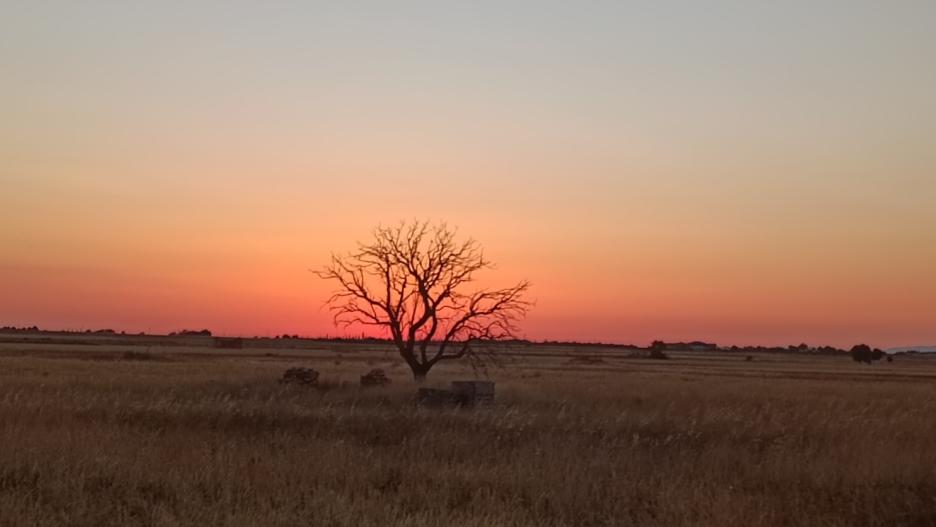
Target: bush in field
864, 353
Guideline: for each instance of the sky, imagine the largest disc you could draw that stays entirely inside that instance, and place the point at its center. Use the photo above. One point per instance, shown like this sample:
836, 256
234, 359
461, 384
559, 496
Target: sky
740, 172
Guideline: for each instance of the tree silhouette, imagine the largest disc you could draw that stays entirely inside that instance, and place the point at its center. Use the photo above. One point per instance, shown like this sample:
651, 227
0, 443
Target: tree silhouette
411, 281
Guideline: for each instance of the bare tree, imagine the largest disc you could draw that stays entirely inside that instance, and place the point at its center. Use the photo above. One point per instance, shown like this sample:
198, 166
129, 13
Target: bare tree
411, 281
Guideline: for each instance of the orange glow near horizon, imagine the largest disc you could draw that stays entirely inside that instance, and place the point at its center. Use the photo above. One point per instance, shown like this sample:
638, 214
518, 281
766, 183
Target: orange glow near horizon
655, 175
588, 286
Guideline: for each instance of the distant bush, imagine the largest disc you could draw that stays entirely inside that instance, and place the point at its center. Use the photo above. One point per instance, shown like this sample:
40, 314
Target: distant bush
300, 376
375, 377
864, 353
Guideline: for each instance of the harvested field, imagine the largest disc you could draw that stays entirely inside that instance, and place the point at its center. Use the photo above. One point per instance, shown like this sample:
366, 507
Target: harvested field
185, 435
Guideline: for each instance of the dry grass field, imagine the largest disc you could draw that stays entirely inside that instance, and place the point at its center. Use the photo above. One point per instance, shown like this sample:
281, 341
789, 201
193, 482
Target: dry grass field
120, 434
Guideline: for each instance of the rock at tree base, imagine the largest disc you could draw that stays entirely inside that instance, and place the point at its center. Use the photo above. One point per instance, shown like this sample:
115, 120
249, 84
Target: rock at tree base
301, 376
375, 377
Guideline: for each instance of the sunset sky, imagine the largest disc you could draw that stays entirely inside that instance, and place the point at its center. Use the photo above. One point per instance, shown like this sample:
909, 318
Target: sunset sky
741, 172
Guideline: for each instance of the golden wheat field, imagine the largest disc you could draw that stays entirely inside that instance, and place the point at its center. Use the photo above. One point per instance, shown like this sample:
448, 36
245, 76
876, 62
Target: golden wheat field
122, 434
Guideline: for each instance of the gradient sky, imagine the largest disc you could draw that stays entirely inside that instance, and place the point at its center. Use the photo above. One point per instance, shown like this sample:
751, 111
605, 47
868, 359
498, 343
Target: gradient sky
742, 172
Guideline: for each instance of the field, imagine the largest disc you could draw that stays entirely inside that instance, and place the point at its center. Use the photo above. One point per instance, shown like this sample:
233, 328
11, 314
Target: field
123, 432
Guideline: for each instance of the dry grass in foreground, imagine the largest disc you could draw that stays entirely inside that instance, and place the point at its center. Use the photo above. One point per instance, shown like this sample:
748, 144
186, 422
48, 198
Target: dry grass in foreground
197, 439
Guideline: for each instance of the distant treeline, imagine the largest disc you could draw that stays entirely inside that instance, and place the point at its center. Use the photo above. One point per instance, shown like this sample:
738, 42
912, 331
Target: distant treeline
191, 333
802, 348
657, 345
37, 330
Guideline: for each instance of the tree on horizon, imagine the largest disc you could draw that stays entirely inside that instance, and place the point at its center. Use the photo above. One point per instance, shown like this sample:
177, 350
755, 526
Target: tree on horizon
412, 281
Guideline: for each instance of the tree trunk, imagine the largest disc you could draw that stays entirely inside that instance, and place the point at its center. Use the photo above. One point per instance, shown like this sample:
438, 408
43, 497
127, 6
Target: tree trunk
418, 368
419, 372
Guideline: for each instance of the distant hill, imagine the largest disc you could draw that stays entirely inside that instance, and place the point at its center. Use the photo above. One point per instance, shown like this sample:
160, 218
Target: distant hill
921, 349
